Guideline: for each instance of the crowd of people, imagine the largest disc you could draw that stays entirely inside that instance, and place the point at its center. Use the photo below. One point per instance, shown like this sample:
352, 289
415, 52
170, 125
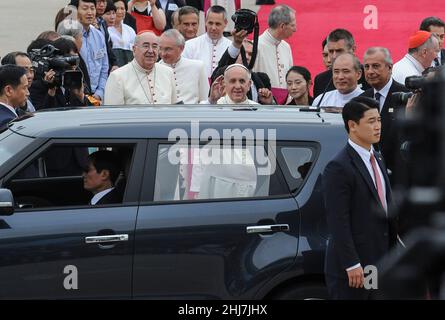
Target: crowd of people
144, 52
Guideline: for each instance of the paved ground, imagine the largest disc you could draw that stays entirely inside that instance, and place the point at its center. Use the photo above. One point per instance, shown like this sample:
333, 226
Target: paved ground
23, 20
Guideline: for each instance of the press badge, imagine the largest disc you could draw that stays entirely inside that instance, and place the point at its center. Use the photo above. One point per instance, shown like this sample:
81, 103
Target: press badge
99, 54
172, 7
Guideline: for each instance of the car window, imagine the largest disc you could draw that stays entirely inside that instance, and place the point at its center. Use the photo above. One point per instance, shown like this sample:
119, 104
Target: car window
298, 160
63, 175
215, 172
10, 144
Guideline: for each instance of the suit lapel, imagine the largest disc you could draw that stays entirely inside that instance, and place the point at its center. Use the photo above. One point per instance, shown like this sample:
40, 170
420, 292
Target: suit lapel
358, 162
385, 176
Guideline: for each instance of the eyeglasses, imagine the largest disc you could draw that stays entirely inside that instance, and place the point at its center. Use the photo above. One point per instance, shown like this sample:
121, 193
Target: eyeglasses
147, 46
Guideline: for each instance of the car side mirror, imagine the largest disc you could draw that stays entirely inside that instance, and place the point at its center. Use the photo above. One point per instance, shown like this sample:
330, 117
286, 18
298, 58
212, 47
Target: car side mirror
6, 202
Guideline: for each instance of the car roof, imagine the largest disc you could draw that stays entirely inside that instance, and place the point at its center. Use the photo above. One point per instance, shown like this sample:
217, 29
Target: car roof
116, 121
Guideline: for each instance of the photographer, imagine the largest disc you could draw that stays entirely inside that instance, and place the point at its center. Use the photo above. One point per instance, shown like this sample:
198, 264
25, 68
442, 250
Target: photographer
50, 88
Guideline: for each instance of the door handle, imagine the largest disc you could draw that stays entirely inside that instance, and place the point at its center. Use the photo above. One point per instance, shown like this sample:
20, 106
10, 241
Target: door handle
268, 228
105, 239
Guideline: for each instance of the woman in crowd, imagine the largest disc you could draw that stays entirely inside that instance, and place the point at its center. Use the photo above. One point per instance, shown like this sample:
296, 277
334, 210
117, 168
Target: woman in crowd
298, 85
122, 35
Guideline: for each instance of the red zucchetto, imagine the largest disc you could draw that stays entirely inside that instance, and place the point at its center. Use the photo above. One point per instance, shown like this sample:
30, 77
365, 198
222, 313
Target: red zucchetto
418, 38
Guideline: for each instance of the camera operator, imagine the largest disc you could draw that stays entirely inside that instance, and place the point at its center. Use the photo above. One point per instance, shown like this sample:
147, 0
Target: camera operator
49, 89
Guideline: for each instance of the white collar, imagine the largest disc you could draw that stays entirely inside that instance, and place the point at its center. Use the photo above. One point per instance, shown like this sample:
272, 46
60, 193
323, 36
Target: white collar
364, 153
351, 94
226, 100
100, 195
173, 65
211, 41
385, 90
271, 38
10, 108
140, 69
415, 62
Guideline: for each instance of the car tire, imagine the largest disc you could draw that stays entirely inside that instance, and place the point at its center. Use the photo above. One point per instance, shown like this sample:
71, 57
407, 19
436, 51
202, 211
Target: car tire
303, 291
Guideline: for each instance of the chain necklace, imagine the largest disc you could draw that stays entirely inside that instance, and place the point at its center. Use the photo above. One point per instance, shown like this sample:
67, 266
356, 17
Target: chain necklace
150, 87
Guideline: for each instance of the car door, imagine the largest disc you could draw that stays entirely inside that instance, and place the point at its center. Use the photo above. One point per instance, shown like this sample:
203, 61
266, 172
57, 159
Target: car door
215, 245
71, 251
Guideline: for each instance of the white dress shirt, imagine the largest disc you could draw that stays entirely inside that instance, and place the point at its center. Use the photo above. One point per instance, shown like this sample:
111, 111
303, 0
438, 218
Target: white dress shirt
334, 98
384, 93
206, 50
122, 41
99, 196
365, 155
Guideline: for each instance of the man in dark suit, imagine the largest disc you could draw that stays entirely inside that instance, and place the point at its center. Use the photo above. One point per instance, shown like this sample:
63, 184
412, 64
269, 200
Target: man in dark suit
377, 63
338, 41
357, 196
170, 7
260, 90
100, 177
436, 26
13, 91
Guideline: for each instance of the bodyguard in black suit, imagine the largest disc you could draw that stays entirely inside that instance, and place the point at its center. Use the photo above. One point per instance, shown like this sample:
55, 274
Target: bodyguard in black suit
100, 177
13, 91
378, 73
357, 196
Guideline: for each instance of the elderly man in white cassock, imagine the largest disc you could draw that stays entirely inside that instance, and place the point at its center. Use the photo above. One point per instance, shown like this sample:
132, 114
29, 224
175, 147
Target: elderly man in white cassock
210, 46
192, 85
142, 81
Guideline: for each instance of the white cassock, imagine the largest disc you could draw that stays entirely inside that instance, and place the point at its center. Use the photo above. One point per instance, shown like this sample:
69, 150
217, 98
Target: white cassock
406, 67
133, 85
227, 100
274, 58
334, 98
206, 50
192, 85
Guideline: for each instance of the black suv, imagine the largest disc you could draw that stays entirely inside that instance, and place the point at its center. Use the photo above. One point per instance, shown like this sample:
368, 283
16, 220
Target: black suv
218, 203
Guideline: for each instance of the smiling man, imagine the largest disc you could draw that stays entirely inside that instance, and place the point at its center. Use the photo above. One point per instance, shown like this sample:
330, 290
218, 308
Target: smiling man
377, 63
346, 73
357, 195
236, 83
142, 81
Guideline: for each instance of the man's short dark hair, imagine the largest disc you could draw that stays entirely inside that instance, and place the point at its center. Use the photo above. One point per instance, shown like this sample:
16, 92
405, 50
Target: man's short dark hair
217, 9
324, 43
431, 21
10, 75
65, 46
341, 34
10, 58
76, 2
187, 10
106, 160
110, 6
356, 108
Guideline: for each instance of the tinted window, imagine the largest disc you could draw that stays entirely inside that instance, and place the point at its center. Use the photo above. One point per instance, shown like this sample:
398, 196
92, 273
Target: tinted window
298, 160
194, 173
10, 144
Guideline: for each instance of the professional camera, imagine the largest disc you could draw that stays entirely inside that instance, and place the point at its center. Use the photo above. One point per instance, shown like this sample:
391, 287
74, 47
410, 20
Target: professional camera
413, 83
244, 20
49, 57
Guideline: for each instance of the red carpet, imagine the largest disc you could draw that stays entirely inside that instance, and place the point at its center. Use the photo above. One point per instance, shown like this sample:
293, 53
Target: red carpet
397, 19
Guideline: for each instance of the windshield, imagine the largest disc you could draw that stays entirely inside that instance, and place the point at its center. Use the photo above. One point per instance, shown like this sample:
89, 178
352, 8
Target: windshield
10, 144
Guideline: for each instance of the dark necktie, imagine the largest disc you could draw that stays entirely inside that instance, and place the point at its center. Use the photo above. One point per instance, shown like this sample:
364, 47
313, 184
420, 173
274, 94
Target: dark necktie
378, 181
436, 62
377, 96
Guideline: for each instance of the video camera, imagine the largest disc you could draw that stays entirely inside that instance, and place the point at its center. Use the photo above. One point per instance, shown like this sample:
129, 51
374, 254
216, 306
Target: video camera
244, 19
49, 57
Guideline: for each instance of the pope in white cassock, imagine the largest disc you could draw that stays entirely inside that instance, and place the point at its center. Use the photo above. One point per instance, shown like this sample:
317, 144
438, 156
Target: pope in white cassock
192, 85
142, 81
210, 46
